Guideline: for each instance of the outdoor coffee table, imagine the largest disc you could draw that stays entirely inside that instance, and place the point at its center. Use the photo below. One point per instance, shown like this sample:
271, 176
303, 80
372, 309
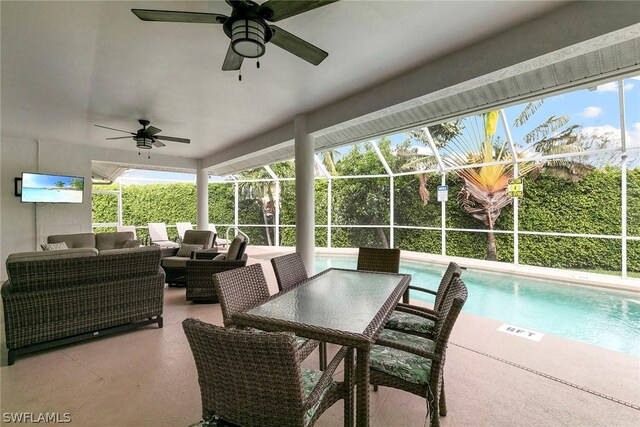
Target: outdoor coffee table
344, 307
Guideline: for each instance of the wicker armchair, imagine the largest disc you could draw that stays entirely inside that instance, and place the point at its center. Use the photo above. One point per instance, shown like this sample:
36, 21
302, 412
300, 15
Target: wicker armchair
289, 270
416, 364
176, 266
254, 378
379, 259
200, 275
244, 288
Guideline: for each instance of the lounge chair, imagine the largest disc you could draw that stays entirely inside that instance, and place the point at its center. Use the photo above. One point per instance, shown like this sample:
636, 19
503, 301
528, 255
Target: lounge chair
220, 241
181, 227
130, 228
158, 235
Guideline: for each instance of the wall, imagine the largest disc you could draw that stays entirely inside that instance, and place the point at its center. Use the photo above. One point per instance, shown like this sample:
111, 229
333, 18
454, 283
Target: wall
24, 226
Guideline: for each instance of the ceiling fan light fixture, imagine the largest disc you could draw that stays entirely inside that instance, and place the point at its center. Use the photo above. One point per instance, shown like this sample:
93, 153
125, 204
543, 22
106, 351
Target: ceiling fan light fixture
143, 142
247, 38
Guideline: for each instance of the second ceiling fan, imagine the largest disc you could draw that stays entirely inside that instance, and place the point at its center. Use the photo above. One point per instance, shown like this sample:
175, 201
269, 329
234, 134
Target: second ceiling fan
248, 29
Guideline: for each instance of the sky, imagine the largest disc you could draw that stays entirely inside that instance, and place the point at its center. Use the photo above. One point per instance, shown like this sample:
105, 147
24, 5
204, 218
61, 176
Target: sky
596, 110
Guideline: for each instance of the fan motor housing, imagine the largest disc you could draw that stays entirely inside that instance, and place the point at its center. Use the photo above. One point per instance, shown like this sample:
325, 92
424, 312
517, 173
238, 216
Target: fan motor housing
143, 143
249, 12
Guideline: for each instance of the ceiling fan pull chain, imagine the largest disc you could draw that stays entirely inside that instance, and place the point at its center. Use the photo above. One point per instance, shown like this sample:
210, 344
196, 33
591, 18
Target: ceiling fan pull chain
239, 75
258, 64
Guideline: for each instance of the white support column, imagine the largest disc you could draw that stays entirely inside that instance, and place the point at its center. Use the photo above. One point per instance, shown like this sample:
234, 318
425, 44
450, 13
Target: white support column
235, 206
202, 194
329, 206
276, 208
443, 220
120, 202
433, 147
623, 193
391, 191
305, 215
516, 204
392, 217
327, 175
276, 219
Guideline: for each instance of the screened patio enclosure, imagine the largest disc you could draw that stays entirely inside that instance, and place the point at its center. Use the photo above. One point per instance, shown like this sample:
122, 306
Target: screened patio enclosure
442, 189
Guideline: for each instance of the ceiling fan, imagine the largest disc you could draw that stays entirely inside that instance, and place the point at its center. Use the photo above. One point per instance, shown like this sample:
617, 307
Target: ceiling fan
248, 29
147, 137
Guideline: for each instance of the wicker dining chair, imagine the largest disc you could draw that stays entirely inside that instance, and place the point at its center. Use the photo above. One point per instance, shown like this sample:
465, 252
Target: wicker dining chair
244, 288
419, 320
253, 378
289, 270
414, 364
408, 318
379, 259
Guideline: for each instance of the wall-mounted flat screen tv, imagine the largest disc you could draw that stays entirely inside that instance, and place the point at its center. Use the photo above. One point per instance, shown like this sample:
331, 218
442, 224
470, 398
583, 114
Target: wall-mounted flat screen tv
45, 188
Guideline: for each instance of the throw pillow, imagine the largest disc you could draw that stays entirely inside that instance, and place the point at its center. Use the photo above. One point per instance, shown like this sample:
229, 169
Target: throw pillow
54, 246
185, 249
132, 243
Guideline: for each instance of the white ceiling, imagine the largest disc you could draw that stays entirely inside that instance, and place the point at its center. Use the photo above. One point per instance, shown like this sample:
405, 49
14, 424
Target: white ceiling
69, 65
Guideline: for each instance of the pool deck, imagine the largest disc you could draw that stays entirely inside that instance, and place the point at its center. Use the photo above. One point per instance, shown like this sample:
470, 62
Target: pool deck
147, 378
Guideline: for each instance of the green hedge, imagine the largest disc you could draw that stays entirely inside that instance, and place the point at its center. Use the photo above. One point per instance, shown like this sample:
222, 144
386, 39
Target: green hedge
590, 206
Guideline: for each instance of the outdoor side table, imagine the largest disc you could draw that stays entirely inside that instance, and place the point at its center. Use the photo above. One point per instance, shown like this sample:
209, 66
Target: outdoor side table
344, 307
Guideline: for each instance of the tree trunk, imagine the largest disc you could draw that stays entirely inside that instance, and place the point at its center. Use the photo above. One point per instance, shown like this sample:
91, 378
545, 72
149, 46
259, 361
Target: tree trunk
492, 251
383, 237
265, 221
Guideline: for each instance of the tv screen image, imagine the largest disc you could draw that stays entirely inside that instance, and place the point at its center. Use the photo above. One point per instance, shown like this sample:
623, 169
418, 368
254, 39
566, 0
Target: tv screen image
45, 188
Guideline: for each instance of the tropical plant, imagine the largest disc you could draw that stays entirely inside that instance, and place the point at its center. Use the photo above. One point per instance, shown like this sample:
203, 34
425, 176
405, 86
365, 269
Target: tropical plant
441, 134
552, 137
263, 192
59, 184
484, 193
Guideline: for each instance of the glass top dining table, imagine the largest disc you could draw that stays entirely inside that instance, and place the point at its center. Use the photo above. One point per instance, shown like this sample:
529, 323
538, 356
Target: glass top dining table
345, 307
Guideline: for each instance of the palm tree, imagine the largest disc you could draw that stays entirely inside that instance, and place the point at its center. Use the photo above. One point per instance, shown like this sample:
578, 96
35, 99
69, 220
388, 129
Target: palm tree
549, 138
441, 134
59, 184
484, 193
263, 192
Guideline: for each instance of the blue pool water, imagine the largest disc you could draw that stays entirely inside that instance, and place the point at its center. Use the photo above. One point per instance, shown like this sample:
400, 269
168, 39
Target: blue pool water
604, 318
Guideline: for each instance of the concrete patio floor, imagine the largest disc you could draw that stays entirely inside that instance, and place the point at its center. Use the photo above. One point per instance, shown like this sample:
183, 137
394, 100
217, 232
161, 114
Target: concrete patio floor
148, 378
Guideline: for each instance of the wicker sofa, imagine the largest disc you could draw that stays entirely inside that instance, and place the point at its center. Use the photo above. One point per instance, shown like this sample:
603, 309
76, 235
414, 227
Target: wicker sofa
58, 297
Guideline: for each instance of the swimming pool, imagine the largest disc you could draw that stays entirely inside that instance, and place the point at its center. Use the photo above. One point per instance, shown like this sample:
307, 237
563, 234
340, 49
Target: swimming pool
608, 319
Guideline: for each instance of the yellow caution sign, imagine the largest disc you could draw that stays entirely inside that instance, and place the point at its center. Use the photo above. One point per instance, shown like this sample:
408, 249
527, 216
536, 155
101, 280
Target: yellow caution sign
515, 187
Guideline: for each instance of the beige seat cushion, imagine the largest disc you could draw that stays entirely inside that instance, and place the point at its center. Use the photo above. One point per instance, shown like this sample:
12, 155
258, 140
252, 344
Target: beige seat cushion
78, 240
199, 237
65, 253
175, 261
112, 240
234, 247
